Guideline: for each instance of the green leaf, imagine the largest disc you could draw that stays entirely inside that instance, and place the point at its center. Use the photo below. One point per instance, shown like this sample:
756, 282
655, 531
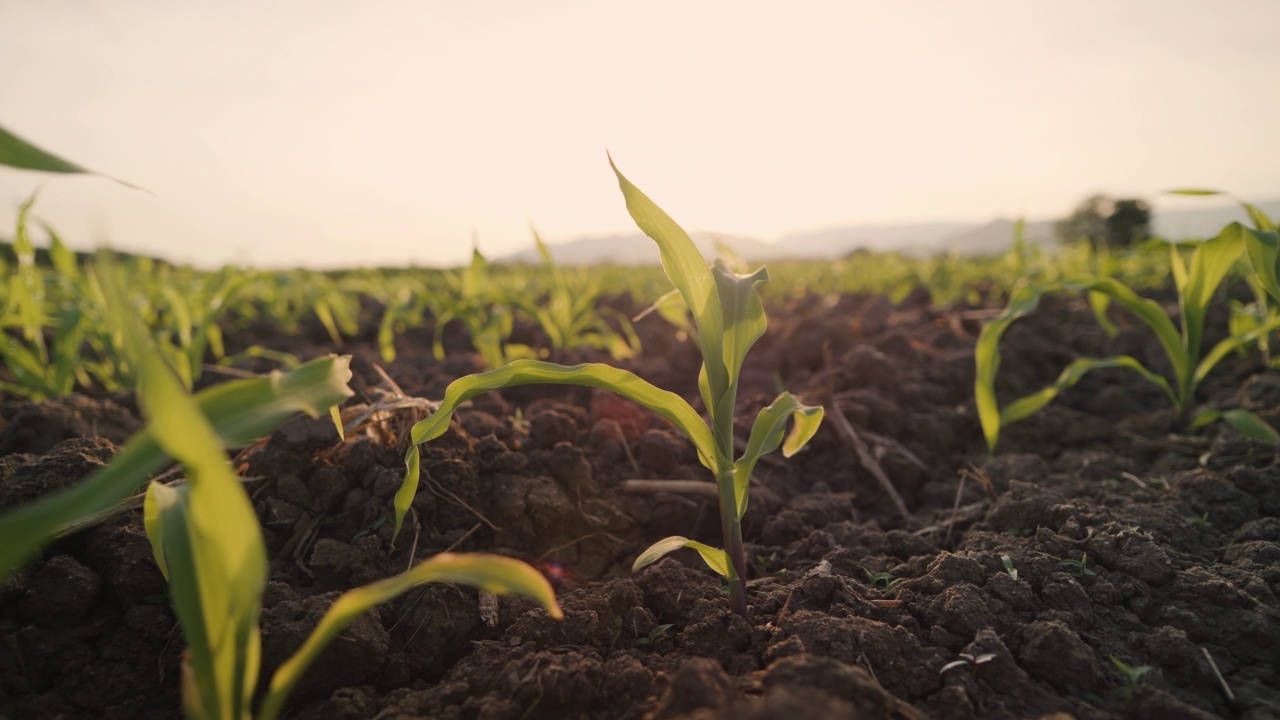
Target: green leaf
18, 153
1098, 304
212, 545
491, 573
688, 271
766, 436
528, 372
1029, 405
1210, 263
1194, 192
1204, 418
158, 506
717, 560
1251, 425
240, 411
1148, 311
986, 352
1260, 219
1228, 345
1263, 250
744, 322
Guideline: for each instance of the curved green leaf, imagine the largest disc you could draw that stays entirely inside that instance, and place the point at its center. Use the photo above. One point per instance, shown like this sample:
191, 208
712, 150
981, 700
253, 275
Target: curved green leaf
717, 560
986, 352
1263, 250
766, 436
689, 272
529, 372
18, 153
1251, 425
1227, 345
491, 573
1148, 311
1210, 263
212, 544
1029, 405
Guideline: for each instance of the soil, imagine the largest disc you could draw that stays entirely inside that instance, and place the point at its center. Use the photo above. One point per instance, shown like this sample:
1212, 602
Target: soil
1094, 533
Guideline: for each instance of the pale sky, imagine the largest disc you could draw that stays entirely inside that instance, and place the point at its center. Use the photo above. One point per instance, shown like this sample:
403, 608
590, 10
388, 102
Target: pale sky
335, 133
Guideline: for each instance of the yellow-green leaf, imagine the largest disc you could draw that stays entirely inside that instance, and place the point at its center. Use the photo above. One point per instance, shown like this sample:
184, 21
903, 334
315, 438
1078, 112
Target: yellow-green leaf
491, 573
717, 560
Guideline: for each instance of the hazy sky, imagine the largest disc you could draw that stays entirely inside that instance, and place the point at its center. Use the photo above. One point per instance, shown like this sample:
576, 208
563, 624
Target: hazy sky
340, 133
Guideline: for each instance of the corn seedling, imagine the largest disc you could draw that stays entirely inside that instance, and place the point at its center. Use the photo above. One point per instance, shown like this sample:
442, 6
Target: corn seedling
882, 581
1008, 566
570, 315
1132, 677
479, 304
1079, 568
730, 318
1196, 280
654, 635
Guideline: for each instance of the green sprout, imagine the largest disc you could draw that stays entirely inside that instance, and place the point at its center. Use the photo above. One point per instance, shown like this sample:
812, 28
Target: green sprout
729, 316
1079, 568
882, 580
1008, 566
570, 313
654, 635
1132, 676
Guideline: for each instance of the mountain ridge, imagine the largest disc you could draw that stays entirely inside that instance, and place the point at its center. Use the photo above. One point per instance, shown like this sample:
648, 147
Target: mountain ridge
830, 243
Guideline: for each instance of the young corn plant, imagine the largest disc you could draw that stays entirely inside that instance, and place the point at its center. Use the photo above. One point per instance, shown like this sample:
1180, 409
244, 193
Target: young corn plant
479, 304
37, 371
1196, 280
730, 318
570, 314
205, 535
1262, 252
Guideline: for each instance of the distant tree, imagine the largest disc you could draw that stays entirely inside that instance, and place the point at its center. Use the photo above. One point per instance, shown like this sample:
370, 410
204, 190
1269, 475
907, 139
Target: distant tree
1099, 219
1129, 223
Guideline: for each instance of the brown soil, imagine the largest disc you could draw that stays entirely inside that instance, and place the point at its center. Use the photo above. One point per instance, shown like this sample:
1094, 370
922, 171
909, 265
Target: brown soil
1175, 538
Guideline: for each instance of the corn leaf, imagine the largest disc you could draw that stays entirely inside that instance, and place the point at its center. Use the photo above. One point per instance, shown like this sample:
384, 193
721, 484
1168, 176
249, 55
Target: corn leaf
1263, 249
716, 559
1029, 405
491, 573
18, 153
240, 411
1022, 301
744, 322
688, 271
1251, 425
1210, 263
1148, 311
1228, 345
767, 435
527, 372
212, 545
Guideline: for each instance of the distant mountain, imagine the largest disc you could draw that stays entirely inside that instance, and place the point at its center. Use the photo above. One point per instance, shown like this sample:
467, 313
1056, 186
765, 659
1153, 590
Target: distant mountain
831, 243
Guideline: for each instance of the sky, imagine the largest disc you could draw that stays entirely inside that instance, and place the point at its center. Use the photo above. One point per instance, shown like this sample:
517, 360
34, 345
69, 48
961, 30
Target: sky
333, 133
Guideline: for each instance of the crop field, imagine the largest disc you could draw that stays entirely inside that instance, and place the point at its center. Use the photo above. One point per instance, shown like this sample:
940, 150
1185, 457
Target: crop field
1042, 484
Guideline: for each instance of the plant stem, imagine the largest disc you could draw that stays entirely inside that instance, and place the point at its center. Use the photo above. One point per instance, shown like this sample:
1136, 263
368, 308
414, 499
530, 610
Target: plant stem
732, 528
